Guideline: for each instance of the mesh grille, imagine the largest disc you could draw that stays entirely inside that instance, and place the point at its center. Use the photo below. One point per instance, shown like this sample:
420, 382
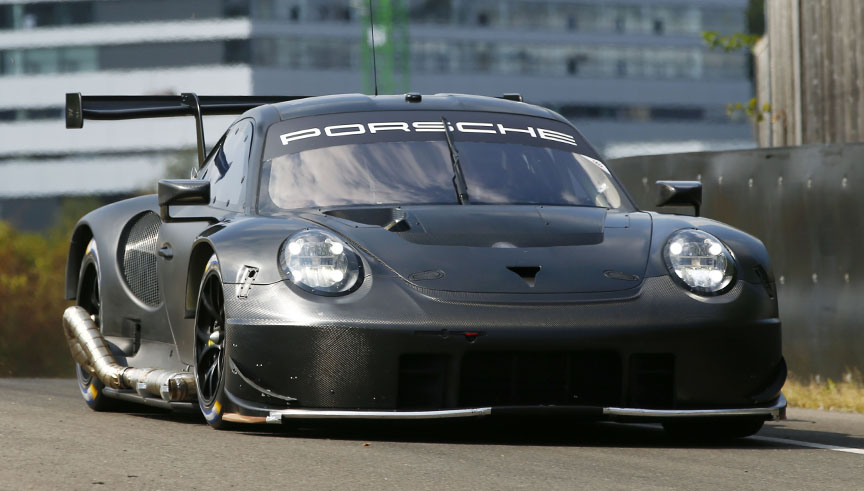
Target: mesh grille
587, 378
138, 246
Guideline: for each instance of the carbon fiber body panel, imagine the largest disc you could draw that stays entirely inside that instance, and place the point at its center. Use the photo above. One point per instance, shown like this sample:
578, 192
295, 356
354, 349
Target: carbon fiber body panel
713, 353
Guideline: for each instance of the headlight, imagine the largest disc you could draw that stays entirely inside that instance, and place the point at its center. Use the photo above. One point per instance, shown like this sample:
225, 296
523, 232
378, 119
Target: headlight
320, 262
700, 261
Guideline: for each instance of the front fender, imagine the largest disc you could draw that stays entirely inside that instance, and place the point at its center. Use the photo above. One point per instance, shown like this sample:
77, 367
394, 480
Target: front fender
251, 242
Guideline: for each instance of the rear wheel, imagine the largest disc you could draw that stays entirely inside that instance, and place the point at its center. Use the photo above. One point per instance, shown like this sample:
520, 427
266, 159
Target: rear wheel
713, 429
210, 343
90, 299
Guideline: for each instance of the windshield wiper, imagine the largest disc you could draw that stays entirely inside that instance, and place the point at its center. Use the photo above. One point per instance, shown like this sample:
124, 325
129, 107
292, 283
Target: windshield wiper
458, 176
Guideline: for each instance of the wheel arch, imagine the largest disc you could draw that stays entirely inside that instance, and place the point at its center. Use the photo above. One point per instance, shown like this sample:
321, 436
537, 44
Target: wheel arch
81, 237
198, 258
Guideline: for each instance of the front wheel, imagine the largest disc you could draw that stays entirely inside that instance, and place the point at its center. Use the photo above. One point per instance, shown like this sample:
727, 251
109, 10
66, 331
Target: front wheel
210, 343
713, 428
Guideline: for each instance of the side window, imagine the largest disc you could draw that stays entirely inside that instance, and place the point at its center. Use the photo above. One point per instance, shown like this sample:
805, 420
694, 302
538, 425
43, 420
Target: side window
204, 172
228, 169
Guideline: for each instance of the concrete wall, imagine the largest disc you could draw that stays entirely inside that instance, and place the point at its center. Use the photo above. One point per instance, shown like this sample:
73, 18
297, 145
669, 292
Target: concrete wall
804, 203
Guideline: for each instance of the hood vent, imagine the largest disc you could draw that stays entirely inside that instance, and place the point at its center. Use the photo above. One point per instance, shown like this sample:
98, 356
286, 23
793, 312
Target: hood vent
392, 219
523, 226
527, 273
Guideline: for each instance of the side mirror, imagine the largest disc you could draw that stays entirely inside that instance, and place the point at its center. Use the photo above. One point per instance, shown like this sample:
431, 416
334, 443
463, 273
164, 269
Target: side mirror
179, 192
680, 193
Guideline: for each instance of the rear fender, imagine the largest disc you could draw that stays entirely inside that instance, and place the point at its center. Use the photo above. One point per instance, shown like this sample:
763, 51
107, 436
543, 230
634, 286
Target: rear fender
123, 314
77, 249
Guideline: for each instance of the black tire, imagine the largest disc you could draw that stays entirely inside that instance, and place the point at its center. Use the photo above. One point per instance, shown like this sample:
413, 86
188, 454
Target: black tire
210, 344
88, 297
713, 429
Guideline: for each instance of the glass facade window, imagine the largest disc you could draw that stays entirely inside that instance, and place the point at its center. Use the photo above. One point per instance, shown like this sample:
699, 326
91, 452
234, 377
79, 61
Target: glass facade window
77, 59
429, 11
43, 61
125, 11
481, 13
626, 58
723, 20
640, 113
276, 11
719, 65
427, 57
305, 53
47, 14
593, 61
432, 57
27, 114
594, 17
48, 60
339, 11
586, 16
36, 61
58, 14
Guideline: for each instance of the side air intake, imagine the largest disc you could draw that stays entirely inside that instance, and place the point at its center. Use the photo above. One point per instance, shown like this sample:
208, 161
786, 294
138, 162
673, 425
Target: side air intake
137, 251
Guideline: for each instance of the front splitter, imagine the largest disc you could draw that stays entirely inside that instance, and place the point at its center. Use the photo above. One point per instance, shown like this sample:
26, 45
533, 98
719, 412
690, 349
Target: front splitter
773, 412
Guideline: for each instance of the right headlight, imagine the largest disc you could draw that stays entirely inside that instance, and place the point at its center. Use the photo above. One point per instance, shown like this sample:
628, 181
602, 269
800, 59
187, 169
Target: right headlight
320, 262
700, 262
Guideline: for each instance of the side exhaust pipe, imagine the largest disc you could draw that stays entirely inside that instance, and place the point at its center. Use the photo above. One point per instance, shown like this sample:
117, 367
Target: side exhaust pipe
90, 350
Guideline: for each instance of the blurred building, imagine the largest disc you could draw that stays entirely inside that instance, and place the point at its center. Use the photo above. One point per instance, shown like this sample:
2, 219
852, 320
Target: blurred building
633, 75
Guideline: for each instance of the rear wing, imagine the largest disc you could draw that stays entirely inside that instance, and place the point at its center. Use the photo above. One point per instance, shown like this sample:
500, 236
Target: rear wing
115, 107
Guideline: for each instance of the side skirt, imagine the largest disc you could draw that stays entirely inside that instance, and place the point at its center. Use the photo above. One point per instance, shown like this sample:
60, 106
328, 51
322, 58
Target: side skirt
132, 396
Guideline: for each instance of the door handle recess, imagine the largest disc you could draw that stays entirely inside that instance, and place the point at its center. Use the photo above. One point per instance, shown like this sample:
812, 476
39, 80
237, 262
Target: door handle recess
166, 251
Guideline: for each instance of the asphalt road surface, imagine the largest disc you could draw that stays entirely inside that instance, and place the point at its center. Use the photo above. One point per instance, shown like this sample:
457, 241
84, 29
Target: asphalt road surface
50, 440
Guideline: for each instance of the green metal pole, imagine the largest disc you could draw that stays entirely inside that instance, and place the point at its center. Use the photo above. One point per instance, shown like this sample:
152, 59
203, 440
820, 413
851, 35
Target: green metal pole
392, 47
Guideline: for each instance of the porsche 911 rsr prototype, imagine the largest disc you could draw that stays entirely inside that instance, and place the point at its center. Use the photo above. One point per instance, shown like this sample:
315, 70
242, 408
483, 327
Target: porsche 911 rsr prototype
388, 257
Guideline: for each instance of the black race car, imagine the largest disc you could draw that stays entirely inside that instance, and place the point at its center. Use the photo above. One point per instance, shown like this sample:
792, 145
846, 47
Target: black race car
416, 256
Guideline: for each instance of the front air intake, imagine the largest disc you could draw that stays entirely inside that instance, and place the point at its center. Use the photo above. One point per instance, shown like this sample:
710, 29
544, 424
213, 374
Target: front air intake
652, 380
581, 378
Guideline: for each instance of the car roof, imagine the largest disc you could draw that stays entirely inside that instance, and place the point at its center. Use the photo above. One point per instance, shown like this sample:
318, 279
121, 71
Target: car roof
342, 103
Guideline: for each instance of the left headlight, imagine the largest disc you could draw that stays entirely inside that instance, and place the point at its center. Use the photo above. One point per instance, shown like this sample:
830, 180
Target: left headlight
319, 262
699, 261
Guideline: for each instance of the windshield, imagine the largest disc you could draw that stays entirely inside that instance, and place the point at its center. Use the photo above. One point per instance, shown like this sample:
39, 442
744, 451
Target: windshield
378, 166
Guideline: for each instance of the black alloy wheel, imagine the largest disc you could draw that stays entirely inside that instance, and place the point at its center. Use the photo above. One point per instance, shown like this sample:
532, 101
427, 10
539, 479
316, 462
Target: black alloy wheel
210, 343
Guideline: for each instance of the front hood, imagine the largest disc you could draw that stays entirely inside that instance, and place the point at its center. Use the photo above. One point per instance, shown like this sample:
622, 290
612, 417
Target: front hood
502, 249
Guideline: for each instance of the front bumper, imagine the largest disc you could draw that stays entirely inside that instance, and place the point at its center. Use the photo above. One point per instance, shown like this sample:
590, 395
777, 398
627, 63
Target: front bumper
395, 352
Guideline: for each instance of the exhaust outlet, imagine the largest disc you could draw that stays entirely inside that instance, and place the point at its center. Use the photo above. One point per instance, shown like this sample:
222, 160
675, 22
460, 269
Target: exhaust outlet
90, 350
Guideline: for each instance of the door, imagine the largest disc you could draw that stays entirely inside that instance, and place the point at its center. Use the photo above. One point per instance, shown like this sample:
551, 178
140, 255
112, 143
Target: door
226, 169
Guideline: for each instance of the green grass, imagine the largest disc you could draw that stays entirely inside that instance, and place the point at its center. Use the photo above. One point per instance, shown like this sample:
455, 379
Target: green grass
846, 395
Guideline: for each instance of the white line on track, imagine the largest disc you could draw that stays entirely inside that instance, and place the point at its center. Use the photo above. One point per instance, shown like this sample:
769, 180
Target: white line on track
784, 441
858, 451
